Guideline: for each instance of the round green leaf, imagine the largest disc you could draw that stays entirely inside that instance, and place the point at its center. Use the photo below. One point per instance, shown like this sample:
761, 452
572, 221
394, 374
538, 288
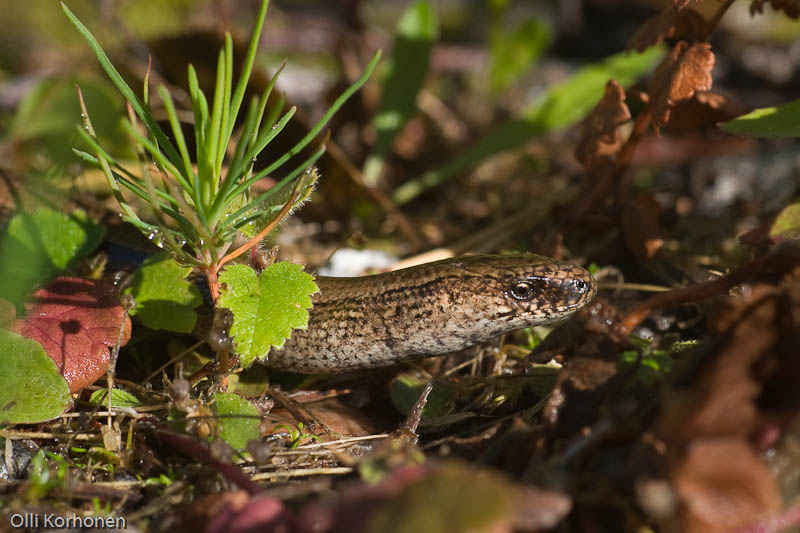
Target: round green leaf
239, 420
164, 298
31, 387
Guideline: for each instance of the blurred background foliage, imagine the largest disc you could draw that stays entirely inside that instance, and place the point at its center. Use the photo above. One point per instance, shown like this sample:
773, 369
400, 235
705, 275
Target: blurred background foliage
463, 82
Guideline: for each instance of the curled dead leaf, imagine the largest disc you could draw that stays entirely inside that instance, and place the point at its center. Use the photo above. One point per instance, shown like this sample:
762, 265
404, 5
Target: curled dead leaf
641, 226
601, 138
685, 71
790, 7
686, 24
724, 486
728, 389
703, 110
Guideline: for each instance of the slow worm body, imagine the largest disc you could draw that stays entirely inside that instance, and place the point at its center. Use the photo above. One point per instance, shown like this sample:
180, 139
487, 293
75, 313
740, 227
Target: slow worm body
431, 309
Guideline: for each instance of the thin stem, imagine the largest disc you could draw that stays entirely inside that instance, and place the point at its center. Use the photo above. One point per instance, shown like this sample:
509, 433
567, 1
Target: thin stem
261, 234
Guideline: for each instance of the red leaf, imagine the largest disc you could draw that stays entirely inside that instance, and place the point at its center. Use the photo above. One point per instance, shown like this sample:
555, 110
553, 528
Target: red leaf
77, 321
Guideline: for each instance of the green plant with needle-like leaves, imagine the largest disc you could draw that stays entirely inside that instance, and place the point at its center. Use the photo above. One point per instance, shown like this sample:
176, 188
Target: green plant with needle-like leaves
200, 203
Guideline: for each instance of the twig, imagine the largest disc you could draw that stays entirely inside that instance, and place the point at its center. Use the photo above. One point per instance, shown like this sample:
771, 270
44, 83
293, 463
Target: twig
773, 262
384, 202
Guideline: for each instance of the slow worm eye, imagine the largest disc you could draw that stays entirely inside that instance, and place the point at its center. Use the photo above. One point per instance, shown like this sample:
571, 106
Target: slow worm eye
521, 290
581, 285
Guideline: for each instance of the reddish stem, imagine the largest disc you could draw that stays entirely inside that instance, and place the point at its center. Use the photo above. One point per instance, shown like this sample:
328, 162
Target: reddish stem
256, 239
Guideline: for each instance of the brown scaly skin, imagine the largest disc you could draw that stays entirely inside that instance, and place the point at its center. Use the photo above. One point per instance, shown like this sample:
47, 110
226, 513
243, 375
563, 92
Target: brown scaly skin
431, 309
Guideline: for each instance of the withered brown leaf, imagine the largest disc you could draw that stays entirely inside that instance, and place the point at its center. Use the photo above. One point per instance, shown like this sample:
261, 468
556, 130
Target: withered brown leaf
790, 7
686, 25
685, 71
641, 226
724, 486
704, 109
601, 138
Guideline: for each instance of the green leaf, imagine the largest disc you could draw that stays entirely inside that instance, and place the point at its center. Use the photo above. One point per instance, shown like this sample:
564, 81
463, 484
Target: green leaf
652, 367
47, 116
119, 398
116, 78
516, 52
311, 135
767, 122
564, 104
41, 244
453, 497
406, 389
31, 387
265, 308
150, 19
250, 383
164, 298
787, 224
239, 420
417, 30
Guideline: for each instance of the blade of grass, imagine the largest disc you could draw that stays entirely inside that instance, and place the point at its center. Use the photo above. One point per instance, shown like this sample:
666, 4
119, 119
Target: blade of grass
225, 137
245, 141
339, 102
269, 134
213, 135
200, 110
564, 104
177, 132
127, 92
417, 31
247, 66
238, 164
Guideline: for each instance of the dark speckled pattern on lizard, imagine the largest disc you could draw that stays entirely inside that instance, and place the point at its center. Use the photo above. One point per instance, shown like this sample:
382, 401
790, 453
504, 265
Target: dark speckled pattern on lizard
431, 309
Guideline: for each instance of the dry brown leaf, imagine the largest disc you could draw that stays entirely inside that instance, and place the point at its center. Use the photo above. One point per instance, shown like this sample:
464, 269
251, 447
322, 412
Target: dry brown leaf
685, 71
641, 226
703, 110
600, 136
724, 486
721, 400
743, 375
686, 25
790, 7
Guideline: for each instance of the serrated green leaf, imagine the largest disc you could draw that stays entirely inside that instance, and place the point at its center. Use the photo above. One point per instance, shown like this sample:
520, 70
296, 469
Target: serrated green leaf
119, 398
164, 297
31, 387
39, 245
267, 308
767, 122
239, 420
